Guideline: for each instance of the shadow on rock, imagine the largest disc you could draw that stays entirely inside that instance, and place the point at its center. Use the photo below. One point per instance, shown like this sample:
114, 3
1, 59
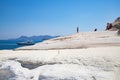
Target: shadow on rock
6, 74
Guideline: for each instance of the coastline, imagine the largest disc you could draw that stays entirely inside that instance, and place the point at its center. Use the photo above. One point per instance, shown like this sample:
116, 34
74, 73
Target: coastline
97, 45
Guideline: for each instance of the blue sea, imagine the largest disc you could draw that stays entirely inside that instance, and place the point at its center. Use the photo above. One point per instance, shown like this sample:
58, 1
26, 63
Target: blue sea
9, 45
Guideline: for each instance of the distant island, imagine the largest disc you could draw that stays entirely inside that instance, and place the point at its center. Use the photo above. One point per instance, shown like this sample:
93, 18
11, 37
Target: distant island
32, 38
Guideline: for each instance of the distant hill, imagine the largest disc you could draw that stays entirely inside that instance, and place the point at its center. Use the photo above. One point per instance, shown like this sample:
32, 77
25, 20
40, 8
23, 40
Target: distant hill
33, 38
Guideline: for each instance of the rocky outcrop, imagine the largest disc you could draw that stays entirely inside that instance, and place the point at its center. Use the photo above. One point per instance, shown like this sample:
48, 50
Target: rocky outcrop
114, 26
116, 23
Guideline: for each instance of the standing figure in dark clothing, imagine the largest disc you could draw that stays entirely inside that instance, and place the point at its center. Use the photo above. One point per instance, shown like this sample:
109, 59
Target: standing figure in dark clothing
109, 26
77, 29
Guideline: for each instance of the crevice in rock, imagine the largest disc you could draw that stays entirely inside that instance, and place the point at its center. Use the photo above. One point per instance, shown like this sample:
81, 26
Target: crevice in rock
32, 65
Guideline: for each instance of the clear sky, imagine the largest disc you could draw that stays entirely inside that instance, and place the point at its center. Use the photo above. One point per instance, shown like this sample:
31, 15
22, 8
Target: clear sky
54, 17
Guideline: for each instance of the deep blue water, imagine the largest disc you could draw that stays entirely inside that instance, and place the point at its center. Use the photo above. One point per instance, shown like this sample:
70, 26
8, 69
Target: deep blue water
9, 45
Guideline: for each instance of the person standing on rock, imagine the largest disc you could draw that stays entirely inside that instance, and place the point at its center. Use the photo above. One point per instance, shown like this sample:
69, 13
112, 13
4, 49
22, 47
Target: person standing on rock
109, 26
77, 29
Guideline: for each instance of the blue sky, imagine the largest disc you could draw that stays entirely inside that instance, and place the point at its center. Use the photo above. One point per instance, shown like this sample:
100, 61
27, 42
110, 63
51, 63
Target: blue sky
54, 17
